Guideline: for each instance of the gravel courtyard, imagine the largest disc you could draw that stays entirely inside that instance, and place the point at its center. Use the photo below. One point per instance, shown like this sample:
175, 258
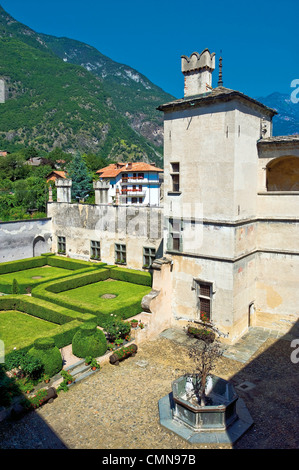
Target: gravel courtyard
117, 407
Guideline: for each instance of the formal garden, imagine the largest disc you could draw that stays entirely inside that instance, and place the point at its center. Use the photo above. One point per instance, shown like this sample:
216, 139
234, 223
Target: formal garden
51, 302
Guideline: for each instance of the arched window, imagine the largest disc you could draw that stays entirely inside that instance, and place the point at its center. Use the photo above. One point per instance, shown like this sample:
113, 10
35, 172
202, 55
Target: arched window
283, 174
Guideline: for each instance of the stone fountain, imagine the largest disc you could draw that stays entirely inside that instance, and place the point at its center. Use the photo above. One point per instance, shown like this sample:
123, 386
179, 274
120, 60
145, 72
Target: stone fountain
223, 419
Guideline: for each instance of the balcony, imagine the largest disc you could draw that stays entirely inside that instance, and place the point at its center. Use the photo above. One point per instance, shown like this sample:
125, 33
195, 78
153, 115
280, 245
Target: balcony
133, 179
133, 192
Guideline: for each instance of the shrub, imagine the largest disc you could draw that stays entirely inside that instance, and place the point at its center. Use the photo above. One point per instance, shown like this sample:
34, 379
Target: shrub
68, 378
15, 287
49, 354
89, 341
116, 328
32, 366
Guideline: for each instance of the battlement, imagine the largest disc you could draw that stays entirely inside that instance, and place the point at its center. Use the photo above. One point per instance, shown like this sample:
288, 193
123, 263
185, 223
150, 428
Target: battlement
197, 70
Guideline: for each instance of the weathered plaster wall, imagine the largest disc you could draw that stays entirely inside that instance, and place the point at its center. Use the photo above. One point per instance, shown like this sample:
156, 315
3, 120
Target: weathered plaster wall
277, 290
184, 300
24, 239
231, 225
80, 223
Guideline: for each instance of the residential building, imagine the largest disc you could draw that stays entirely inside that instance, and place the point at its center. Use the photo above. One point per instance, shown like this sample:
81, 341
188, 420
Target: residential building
134, 183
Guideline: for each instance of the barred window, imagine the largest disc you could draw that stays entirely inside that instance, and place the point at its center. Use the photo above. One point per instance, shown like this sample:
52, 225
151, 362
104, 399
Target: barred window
204, 299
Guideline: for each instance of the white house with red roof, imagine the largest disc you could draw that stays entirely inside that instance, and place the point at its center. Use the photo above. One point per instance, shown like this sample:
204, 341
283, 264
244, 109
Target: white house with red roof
132, 183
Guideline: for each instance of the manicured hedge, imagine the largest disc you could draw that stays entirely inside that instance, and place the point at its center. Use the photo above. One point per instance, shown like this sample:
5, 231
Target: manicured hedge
142, 278
78, 280
22, 264
89, 341
48, 353
71, 263
47, 259
26, 285
49, 290
42, 309
68, 321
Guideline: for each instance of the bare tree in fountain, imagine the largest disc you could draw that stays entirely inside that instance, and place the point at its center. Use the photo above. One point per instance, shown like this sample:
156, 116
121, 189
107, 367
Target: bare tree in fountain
204, 356
204, 408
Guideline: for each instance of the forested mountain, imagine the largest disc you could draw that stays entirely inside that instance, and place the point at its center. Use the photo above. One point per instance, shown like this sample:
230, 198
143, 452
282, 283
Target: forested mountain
132, 94
66, 94
54, 103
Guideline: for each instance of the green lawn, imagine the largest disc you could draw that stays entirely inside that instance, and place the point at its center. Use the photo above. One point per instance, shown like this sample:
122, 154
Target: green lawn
32, 277
45, 273
17, 327
127, 294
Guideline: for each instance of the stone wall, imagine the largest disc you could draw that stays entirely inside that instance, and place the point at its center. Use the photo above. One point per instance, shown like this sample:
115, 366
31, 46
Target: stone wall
129, 225
24, 239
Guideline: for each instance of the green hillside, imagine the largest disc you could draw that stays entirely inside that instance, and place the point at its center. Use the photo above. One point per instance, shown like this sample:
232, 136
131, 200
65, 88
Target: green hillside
54, 103
132, 94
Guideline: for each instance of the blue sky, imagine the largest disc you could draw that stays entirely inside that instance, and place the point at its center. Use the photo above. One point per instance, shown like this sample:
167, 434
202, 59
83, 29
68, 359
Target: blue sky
259, 39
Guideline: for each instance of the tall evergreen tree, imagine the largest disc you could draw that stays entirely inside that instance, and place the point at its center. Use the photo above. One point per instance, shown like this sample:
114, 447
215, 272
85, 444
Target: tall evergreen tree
78, 172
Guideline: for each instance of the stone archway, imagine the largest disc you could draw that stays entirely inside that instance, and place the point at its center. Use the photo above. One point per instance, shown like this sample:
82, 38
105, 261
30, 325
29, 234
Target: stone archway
39, 245
283, 174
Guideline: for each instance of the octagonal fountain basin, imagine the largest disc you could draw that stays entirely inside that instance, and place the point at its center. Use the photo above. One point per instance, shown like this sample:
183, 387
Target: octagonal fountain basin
223, 419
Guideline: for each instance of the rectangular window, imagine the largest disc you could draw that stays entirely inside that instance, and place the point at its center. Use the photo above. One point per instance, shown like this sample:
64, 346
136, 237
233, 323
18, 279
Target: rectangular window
95, 250
120, 253
61, 245
204, 299
175, 239
149, 254
175, 177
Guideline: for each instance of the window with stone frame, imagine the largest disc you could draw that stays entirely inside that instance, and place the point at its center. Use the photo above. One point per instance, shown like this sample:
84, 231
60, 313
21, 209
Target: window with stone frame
95, 250
175, 238
61, 245
204, 292
175, 177
149, 255
120, 253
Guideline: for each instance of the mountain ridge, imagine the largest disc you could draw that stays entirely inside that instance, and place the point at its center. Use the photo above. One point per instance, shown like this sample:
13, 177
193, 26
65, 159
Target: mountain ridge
108, 126
65, 93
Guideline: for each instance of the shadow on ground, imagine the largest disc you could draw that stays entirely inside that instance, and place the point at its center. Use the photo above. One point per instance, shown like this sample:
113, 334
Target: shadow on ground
29, 432
268, 384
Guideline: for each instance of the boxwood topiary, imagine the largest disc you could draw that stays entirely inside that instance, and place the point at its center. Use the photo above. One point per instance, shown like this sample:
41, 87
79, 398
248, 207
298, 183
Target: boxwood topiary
89, 341
49, 354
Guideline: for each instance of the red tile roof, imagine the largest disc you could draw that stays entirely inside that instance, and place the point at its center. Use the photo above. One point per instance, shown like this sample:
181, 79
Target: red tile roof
56, 174
114, 169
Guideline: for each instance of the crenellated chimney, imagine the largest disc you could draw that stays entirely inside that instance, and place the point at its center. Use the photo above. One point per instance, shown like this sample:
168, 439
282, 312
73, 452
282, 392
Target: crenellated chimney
197, 70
